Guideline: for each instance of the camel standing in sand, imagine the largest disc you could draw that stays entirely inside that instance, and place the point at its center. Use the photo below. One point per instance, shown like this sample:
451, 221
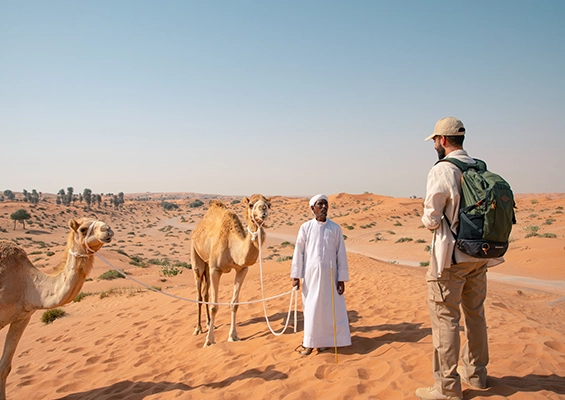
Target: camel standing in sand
220, 244
24, 289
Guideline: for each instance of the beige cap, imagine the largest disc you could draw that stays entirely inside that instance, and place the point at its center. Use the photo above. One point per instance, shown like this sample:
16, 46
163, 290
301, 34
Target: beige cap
449, 126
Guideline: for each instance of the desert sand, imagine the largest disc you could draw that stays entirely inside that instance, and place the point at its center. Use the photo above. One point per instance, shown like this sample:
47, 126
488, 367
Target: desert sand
126, 341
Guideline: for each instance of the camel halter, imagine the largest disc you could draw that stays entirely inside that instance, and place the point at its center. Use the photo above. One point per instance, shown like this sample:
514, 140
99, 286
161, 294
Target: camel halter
259, 226
89, 251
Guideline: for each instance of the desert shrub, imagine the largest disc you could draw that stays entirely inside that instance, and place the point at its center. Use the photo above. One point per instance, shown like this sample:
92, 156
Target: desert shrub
137, 261
110, 274
172, 270
183, 265
403, 239
424, 263
285, 258
534, 201
50, 254
531, 230
168, 206
120, 251
549, 221
427, 248
421, 241
236, 201
80, 296
51, 315
157, 261
284, 244
549, 235
196, 203
397, 223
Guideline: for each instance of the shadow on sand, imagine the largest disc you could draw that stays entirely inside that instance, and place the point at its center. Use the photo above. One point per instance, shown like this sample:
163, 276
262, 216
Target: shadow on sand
509, 385
139, 390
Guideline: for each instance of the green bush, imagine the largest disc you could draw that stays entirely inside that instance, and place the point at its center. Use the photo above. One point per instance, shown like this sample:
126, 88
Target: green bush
404, 239
424, 263
110, 274
51, 315
183, 265
285, 258
196, 203
531, 230
137, 261
80, 296
156, 261
173, 270
549, 235
169, 206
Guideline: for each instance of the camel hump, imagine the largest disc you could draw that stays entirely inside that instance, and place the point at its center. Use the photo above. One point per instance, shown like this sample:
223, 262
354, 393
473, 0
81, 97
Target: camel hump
9, 250
217, 203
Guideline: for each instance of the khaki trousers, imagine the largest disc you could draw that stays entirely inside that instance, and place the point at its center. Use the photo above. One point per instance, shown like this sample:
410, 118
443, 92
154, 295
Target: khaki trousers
463, 287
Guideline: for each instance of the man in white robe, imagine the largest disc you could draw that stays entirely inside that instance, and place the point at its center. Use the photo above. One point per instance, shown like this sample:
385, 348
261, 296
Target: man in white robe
320, 248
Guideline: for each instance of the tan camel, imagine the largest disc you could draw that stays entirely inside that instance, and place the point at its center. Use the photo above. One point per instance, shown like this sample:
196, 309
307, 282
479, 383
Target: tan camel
220, 244
24, 289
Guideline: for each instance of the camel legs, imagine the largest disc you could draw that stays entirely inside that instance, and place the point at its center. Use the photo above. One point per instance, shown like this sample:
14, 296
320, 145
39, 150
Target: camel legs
12, 339
201, 278
215, 275
238, 282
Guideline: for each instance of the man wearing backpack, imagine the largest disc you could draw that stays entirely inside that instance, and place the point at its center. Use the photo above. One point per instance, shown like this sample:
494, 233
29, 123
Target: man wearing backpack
454, 278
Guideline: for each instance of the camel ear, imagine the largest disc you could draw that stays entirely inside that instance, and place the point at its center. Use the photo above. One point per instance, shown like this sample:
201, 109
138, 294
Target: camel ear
246, 200
268, 202
74, 225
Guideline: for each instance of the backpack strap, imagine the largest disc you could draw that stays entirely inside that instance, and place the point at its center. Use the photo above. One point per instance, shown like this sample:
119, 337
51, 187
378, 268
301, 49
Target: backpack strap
478, 165
454, 236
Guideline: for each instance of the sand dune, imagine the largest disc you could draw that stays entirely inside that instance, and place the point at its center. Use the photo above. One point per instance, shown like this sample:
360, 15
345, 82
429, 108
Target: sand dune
124, 341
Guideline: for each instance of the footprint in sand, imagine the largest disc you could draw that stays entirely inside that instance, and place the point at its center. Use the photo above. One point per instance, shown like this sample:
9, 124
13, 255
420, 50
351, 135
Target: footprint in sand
557, 346
321, 372
362, 374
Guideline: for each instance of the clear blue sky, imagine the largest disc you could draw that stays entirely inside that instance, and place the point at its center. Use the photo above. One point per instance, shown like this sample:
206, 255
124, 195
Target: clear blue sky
276, 97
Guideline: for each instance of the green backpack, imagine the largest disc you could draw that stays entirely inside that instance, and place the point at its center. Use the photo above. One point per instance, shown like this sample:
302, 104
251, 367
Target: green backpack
486, 213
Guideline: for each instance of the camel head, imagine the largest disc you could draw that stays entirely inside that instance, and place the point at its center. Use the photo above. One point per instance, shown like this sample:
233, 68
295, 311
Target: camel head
90, 234
257, 208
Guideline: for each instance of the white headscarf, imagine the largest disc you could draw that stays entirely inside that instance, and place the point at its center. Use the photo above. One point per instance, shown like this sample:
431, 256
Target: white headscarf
320, 196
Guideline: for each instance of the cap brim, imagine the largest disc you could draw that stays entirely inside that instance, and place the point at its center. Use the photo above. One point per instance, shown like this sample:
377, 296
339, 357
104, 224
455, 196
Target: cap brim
430, 137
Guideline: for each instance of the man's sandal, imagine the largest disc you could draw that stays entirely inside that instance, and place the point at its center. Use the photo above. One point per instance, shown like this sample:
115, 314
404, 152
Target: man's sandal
305, 351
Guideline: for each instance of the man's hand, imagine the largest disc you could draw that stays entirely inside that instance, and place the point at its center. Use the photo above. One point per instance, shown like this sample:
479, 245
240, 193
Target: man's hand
340, 288
296, 283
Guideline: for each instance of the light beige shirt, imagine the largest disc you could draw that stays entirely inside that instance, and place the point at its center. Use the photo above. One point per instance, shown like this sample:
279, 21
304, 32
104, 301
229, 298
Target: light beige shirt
443, 195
